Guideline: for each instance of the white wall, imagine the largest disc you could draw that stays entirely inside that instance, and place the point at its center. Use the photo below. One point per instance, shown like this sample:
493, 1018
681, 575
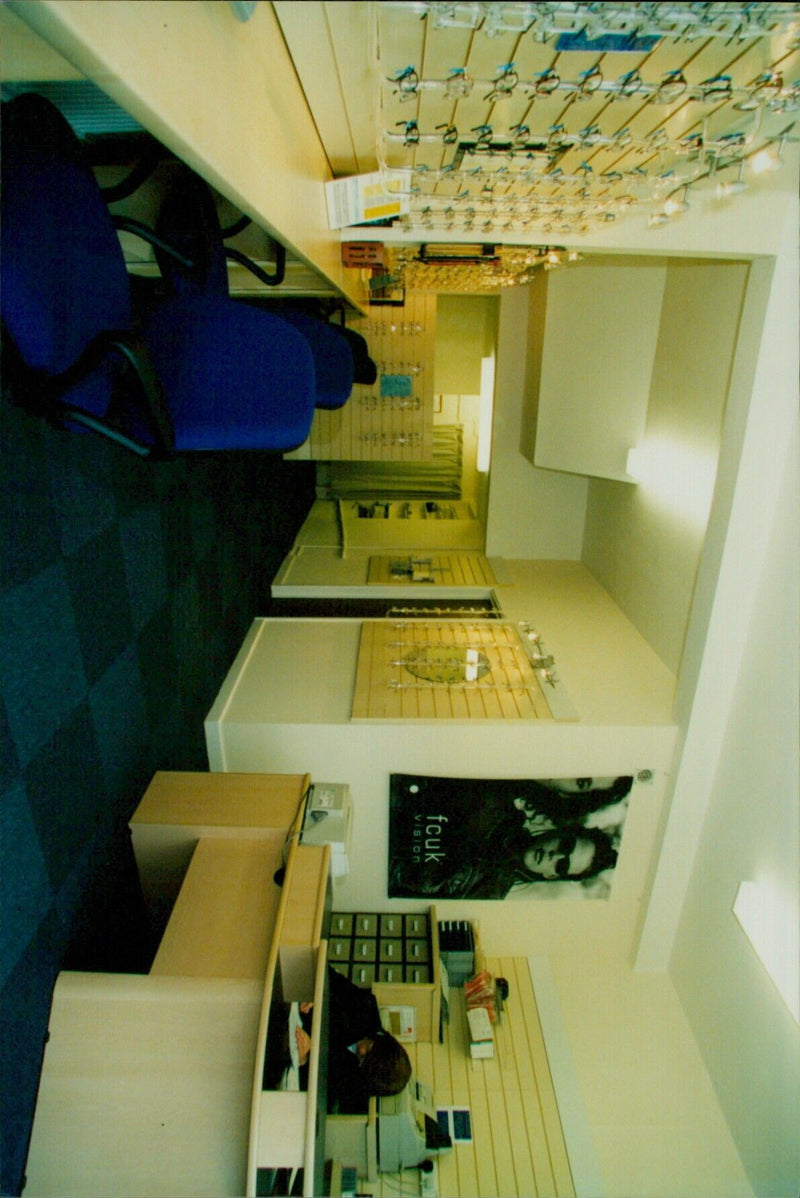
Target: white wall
657, 1127
752, 832
643, 542
532, 513
465, 333
735, 784
601, 319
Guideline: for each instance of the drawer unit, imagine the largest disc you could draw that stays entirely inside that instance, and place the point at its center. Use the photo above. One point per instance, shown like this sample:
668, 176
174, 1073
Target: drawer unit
397, 955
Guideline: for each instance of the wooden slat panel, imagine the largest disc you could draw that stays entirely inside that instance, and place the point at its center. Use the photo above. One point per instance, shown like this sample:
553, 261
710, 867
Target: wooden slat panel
535, 1132
511, 1153
547, 1104
372, 427
385, 689
483, 1143
363, 685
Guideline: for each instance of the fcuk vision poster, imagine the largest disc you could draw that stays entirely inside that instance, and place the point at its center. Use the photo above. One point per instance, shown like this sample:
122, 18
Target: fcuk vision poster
505, 839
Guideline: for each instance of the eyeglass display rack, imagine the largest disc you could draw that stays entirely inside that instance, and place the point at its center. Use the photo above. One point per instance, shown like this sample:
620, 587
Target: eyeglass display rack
391, 420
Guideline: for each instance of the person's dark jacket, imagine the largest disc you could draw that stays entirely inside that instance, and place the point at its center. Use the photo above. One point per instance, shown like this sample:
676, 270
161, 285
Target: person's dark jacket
354, 1015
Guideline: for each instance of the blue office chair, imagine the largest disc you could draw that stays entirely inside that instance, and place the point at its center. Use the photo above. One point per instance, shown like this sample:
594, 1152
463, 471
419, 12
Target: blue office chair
188, 221
364, 369
202, 373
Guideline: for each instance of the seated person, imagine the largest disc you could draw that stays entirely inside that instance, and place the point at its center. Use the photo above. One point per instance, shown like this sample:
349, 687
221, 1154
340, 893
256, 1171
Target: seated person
363, 1059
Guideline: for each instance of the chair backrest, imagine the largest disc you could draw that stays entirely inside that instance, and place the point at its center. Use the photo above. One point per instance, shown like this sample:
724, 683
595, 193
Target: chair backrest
188, 221
223, 378
364, 369
64, 276
333, 358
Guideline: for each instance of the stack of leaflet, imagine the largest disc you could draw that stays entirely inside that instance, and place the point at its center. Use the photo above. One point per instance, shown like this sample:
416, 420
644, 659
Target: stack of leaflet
481, 999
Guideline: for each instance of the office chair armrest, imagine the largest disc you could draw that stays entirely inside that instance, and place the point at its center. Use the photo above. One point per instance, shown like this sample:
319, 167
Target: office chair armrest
126, 224
137, 355
153, 154
150, 398
270, 280
237, 256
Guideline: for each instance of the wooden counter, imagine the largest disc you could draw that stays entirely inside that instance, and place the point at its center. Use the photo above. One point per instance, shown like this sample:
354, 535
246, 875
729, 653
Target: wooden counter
153, 1084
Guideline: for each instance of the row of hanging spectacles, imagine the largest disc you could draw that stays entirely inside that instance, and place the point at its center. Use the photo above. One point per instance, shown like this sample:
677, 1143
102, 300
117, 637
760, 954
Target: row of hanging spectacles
385, 440
396, 328
679, 22
538, 147
399, 366
544, 192
766, 89
385, 403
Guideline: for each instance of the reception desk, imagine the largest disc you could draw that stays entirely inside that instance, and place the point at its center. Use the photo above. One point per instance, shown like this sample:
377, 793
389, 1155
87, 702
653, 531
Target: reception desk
154, 1084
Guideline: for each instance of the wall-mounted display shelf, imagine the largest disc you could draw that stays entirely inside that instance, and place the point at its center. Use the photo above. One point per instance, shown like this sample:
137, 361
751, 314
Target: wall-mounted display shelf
391, 420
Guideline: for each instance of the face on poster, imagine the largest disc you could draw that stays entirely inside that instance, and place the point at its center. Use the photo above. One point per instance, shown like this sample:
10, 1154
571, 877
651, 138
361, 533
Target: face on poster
470, 838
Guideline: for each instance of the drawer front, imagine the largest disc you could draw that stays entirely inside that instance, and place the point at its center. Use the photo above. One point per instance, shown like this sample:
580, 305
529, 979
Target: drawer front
417, 952
390, 950
416, 926
392, 975
340, 949
341, 924
362, 975
364, 950
365, 925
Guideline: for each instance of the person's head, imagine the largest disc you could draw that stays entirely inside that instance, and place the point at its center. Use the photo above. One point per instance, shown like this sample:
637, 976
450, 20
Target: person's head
385, 1066
569, 854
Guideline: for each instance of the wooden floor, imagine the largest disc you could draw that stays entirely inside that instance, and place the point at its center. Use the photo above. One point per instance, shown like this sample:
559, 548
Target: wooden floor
518, 1148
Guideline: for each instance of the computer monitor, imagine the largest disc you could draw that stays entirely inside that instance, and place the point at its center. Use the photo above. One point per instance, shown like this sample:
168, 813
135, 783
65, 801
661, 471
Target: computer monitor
408, 1130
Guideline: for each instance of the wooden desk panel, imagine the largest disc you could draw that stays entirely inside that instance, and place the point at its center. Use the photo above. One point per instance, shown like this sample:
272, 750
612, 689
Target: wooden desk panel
146, 1087
222, 920
302, 921
178, 809
222, 800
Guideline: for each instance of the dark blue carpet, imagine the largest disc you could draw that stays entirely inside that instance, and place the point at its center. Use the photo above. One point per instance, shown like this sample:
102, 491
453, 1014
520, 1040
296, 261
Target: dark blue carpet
126, 590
